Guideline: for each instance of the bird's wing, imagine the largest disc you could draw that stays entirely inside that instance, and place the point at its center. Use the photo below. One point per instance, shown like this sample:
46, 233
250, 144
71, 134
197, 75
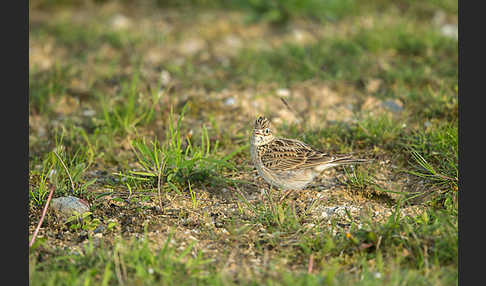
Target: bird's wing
288, 154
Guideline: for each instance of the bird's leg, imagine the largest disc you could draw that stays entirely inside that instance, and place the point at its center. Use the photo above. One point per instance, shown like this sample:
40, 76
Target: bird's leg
285, 195
262, 194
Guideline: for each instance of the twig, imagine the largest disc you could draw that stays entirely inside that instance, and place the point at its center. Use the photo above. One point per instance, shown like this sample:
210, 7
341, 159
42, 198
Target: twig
288, 105
297, 115
158, 189
158, 183
379, 242
42, 217
311, 264
66, 169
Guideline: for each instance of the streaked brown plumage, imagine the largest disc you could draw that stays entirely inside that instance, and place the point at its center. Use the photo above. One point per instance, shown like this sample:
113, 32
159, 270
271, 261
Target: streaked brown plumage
289, 164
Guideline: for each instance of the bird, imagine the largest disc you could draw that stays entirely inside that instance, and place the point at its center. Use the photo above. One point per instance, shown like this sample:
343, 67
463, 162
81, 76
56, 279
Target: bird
289, 164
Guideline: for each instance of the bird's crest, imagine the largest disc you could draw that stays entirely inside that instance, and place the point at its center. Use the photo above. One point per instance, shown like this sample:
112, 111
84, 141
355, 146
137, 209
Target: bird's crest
261, 123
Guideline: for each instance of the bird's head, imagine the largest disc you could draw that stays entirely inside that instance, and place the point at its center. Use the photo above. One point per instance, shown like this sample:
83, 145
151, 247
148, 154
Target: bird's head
262, 134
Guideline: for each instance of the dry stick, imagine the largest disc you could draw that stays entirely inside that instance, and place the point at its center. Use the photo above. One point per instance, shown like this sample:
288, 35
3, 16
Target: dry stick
158, 184
42, 217
311, 264
158, 189
36, 231
294, 112
288, 106
379, 242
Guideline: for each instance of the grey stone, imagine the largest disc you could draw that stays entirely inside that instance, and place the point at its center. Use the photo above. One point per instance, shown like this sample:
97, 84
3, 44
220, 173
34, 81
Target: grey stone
392, 105
69, 205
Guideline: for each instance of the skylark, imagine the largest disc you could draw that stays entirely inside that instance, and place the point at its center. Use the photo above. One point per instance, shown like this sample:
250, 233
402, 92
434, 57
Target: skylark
289, 164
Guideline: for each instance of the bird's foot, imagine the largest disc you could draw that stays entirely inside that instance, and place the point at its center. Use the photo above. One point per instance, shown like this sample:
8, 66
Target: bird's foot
285, 195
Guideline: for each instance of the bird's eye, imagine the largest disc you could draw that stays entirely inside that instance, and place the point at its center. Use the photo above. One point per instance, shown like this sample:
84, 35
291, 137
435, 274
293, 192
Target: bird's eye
267, 130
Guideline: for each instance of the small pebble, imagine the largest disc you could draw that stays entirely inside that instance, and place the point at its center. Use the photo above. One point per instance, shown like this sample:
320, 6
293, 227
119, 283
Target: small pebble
393, 105
165, 77
229, 101
89, 112
283, 92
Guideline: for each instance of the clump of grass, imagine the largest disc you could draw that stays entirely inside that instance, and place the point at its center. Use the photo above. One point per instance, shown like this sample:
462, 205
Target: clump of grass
358, 178
427, 171
83, 221
277, 215
64, 170
69, 168
64, 167
179, 161
39, 190
446, 186
438, 144
433, 157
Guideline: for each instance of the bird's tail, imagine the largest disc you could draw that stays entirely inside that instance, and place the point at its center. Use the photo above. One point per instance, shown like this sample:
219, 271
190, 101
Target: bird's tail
339, 161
